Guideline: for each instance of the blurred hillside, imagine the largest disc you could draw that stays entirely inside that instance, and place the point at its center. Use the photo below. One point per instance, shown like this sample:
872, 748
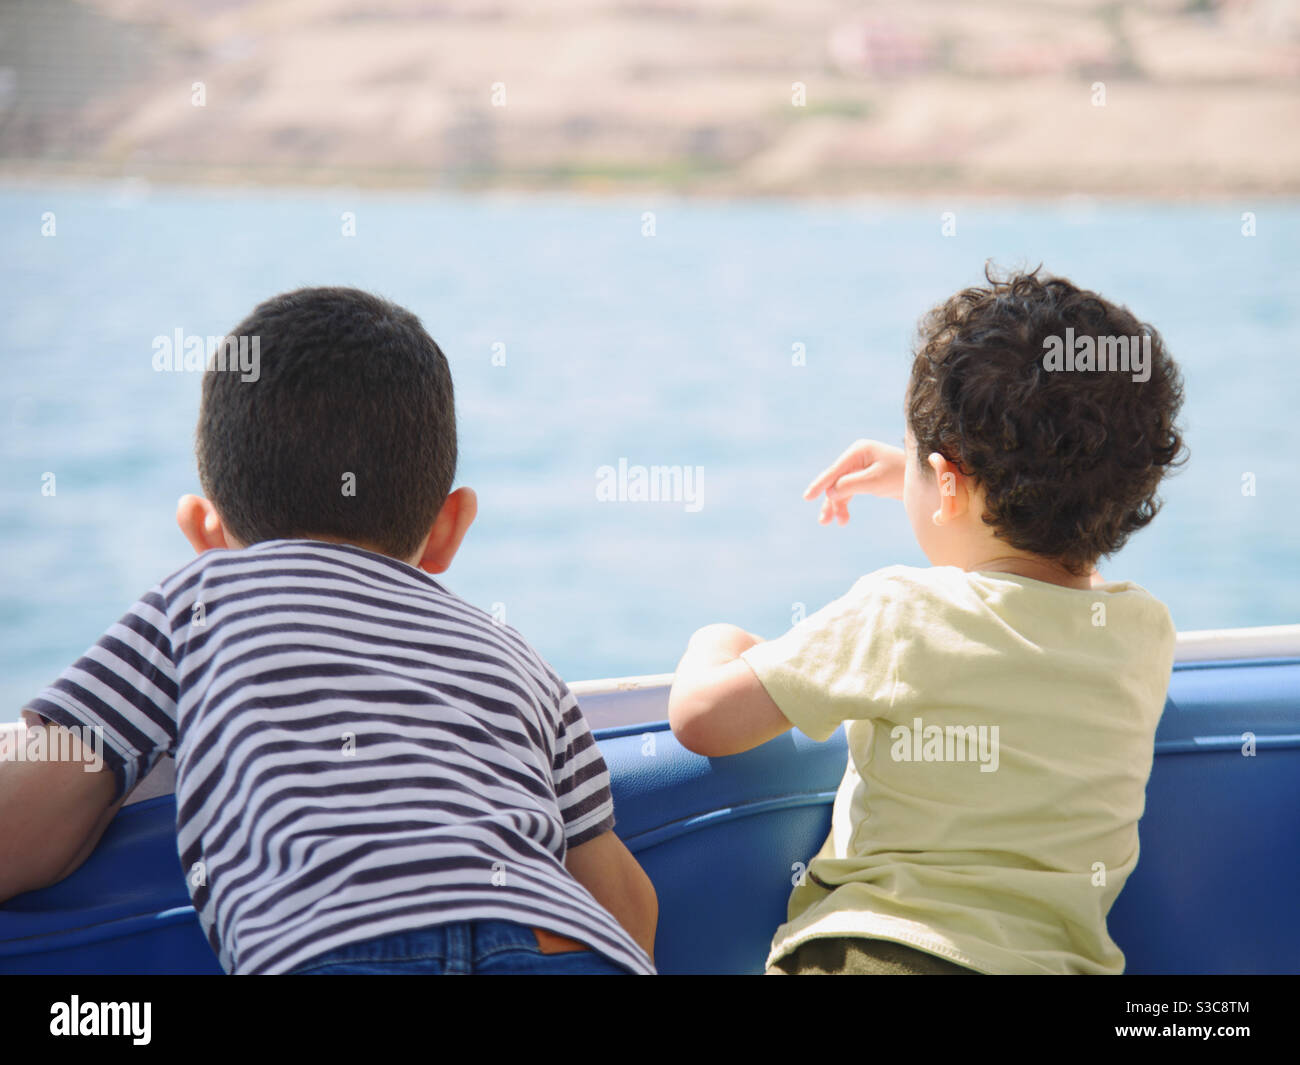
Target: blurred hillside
1200, 97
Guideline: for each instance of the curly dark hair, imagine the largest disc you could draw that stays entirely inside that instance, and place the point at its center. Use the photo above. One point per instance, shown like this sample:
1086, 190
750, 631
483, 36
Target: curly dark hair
1069, 460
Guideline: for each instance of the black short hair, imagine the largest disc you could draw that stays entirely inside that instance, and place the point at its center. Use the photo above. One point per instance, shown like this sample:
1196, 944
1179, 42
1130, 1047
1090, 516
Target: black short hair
348, 384
1069, 462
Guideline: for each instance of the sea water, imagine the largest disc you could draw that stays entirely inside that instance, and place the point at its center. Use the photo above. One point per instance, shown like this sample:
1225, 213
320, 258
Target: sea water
736, 347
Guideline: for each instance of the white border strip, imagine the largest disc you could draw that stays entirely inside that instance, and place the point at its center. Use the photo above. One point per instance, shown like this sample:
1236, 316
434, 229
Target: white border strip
1202, 645
1206, 645
620, 684
1215, 645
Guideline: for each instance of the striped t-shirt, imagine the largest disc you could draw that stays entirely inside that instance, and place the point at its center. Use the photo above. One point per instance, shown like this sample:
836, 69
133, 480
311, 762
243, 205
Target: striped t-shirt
358, 752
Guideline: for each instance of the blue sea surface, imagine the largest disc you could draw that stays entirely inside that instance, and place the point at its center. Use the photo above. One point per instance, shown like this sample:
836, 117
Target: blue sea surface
666, 349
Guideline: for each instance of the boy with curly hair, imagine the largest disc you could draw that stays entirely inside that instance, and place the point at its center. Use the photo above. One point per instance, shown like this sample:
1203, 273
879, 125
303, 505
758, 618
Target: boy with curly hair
1000, 706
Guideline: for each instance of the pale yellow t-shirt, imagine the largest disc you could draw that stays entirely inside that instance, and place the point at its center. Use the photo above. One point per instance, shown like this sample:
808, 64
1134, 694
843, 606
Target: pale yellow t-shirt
1000, 840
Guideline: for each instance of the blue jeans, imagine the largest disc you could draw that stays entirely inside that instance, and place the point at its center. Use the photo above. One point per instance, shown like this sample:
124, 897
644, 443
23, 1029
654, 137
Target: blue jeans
481, 947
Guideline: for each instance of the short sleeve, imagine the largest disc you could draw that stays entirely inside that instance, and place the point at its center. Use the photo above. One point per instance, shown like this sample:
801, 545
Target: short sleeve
124, 690
836, 665
580, 775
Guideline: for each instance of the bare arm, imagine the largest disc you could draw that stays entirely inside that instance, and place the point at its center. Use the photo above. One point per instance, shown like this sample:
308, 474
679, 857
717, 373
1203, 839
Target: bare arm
717, 705
606, 868
52, 814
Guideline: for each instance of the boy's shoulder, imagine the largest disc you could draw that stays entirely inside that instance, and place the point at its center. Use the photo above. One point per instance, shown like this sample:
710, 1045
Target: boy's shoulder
295, 563
908, 583
347, 573
872, 592
272, 555
955, 583
918, 599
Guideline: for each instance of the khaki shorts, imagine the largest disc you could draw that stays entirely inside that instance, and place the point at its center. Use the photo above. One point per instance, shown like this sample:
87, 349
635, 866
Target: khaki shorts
855, 956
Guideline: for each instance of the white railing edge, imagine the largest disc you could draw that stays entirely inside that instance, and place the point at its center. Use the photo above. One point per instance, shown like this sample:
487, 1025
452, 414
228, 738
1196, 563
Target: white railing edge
1199, 645
620, 684
1204, 645
1216, 645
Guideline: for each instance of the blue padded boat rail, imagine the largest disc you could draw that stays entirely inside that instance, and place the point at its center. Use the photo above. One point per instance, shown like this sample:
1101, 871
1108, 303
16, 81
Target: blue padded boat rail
1214, 890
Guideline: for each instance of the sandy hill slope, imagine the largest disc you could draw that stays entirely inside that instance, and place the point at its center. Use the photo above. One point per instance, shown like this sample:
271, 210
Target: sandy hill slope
1166, 97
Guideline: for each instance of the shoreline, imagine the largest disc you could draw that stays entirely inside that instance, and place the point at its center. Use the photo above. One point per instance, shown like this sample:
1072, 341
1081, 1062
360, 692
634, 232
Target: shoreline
413, 181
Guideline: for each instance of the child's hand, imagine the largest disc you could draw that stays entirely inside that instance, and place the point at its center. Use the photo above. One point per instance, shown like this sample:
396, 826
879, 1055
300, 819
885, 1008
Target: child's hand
867, 466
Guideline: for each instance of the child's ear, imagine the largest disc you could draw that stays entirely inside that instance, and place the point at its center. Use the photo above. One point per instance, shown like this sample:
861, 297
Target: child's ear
449, 528
201, 525
952, 489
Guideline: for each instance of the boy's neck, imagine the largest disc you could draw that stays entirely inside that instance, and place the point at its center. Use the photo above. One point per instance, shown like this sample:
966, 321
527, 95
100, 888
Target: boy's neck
1034, 569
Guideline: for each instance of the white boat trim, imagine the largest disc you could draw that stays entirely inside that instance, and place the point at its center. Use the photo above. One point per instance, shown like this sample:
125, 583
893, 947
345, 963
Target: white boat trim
1217, 645
620, 684
1201, 645
1206, 645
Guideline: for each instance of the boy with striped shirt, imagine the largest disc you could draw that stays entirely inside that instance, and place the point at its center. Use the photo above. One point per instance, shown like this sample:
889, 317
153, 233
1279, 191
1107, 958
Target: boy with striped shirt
372, 775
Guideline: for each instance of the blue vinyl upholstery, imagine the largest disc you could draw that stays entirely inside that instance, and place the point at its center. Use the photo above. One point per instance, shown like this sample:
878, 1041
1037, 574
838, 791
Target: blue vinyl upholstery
1214, 891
